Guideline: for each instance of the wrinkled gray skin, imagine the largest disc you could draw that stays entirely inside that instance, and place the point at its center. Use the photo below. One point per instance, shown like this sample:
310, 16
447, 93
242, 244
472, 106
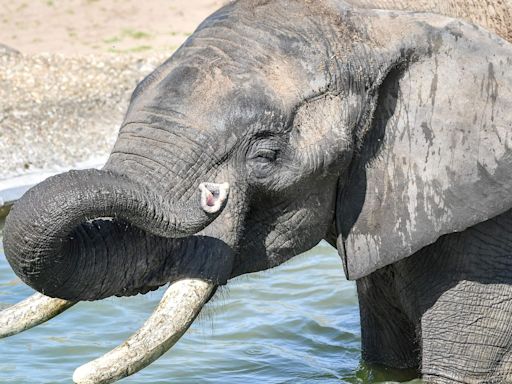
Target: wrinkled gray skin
382, 132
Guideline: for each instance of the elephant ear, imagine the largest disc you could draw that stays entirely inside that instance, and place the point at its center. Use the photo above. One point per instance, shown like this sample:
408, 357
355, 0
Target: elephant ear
436, 157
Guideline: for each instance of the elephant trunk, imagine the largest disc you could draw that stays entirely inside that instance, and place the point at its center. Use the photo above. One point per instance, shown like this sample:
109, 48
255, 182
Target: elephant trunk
83, 235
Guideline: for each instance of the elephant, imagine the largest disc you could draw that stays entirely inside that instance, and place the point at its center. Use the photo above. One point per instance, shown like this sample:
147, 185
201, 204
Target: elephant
278, 124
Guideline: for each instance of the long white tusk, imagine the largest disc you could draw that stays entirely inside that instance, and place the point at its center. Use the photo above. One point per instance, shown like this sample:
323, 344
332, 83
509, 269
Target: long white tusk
178, 308
30, 312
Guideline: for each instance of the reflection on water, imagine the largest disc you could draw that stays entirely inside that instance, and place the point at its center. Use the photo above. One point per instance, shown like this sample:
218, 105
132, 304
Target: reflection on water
298, 323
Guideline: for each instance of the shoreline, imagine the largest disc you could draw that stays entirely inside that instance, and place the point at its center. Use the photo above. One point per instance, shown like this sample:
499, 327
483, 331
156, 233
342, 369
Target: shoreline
12, 189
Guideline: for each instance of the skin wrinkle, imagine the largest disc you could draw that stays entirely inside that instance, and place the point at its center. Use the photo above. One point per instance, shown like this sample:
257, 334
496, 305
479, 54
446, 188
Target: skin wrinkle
260, 55
149, 271
475, 361
160, 112
149, 118
180, 189
71, 268
132, 164
280, 236
182, 137
84, 241
173, 121
143, 138
87, 263
480, 12
85, 285
219, 53
306, 37
134, 274
158, 150
147, 158
105, 256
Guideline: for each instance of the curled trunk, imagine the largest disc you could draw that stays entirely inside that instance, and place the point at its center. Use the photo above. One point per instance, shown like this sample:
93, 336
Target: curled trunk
65, 234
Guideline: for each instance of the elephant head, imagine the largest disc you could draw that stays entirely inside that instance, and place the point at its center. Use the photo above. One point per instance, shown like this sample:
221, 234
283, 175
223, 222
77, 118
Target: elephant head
276, 125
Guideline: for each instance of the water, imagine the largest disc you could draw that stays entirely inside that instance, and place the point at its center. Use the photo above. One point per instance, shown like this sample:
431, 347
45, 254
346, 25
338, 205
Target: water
298, 323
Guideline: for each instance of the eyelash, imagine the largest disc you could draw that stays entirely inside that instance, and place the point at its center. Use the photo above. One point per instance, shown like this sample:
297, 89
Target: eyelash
265, 155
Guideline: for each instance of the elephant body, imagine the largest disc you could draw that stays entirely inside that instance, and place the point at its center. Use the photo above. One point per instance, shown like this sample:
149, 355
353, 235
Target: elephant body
281, 123
490, 14
446, 310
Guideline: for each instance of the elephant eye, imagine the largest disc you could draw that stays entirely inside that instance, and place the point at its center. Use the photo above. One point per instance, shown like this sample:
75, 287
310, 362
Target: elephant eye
261, 163
265, 155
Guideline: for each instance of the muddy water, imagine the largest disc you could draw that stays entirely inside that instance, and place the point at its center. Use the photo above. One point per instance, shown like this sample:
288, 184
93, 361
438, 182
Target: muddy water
298, 323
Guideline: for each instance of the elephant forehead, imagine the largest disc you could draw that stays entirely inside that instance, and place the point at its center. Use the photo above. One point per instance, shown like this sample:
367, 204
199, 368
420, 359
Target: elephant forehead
206, 96
241, 55
188, 89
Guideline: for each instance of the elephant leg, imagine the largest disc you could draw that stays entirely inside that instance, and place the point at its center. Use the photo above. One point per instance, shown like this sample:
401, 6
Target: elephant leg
388, 335
458, 293
467, 335
446, 309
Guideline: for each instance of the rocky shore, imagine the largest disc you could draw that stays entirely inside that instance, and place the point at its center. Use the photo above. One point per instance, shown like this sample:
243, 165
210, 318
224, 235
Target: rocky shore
57, 111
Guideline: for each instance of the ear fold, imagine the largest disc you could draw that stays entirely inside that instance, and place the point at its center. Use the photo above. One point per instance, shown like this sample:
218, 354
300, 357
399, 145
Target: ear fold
437, 157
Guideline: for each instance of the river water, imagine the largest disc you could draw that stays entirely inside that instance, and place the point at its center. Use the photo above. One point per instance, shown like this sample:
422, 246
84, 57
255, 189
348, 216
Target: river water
298, 323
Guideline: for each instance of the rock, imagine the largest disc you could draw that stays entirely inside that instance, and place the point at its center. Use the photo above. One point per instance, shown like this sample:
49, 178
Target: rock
4, 49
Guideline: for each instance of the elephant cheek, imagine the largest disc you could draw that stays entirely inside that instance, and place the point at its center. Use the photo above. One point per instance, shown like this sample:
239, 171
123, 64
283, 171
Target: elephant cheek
302, 227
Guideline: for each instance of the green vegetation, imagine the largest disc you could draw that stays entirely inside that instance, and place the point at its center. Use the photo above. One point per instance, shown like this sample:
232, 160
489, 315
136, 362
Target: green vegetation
112, 40
139, 48
128, 32
174, 33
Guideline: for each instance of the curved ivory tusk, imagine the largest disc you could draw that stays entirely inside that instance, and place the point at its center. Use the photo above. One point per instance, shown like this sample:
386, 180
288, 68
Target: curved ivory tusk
30, 312
178, 308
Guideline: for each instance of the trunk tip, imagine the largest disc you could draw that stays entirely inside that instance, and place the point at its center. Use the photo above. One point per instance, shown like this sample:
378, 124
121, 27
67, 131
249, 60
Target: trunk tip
213, 196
